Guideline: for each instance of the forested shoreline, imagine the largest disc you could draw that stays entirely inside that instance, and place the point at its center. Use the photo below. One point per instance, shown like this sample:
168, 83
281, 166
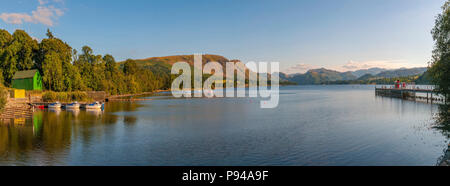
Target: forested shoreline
64, 69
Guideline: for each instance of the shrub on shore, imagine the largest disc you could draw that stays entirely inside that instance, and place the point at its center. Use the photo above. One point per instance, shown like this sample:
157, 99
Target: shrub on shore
2, 97
64, 96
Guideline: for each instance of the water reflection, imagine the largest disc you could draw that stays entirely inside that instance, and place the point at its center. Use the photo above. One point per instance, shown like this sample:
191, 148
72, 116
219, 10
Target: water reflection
443, 120
49, 134
443, 125
317, 125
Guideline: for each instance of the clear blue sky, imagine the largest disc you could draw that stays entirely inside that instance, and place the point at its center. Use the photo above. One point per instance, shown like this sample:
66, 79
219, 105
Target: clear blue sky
316, 33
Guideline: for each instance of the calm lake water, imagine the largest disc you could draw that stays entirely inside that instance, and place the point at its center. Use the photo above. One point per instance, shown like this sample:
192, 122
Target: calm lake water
313, 125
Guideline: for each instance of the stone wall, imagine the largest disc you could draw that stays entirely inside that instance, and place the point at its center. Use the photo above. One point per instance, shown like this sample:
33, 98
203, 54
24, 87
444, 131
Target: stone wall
97, 95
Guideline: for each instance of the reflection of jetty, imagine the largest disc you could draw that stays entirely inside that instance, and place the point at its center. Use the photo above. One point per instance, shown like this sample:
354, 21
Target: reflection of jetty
428, 95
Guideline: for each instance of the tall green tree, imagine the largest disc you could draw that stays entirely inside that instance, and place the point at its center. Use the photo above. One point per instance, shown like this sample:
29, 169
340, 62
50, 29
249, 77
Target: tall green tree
25, 48
5, 41
18, 52
49, 34
92, 69
55, 64
440, 64
2, 97
130, 67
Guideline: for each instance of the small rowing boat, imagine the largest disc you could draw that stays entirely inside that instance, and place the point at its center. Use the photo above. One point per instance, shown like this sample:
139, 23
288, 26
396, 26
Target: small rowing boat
95, 105
55, 105
73, 105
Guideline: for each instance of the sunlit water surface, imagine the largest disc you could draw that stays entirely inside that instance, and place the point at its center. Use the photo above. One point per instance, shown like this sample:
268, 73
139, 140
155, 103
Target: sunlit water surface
313, 125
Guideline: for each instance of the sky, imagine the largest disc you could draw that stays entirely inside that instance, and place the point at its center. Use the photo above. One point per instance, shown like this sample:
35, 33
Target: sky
343, 35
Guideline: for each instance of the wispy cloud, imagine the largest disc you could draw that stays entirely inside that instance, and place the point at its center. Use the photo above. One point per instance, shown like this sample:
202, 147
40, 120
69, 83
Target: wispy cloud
46, 13
353, 66
300, 68
387, 64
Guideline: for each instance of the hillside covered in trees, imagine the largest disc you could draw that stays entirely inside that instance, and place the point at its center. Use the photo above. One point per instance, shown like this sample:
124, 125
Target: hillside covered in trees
65, 69
325, 76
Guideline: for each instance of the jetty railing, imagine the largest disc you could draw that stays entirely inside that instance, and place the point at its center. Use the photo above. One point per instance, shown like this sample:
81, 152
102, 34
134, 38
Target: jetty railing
410, 92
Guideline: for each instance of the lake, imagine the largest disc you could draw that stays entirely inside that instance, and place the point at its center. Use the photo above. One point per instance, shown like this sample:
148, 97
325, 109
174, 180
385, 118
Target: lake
313, 125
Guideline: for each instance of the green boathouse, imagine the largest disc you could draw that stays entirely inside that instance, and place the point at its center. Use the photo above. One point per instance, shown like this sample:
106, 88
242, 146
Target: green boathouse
28, 80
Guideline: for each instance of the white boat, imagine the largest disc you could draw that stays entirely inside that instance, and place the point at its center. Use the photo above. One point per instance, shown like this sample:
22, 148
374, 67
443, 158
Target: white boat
55, 105
73, 105
95, 105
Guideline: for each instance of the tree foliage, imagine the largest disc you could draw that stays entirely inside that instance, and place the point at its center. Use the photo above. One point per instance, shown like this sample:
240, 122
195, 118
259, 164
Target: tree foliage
2, 97
17, 52
63, 69
440, 64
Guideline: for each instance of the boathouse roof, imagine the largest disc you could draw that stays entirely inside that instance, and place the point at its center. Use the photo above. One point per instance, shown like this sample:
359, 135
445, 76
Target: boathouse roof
25, 74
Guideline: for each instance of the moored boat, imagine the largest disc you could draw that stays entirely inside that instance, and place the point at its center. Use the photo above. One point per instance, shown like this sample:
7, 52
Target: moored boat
95, 105
74, 105
55, 105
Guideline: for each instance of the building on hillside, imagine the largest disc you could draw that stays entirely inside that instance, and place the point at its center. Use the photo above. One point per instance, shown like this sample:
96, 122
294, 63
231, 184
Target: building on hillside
28, 80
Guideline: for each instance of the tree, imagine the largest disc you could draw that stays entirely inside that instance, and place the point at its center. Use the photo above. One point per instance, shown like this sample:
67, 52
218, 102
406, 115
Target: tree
17, 52
2, 97
55, 64
5, 41
24, 47
1, 77
130, 67
50, 34
440, 64
110, 65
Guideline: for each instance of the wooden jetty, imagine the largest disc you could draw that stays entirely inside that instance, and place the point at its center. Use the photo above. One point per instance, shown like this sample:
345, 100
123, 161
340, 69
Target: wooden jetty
16, 109
428, 95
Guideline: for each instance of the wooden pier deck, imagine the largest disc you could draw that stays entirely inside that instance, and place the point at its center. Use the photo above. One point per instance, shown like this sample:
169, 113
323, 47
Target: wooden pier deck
15, 109
429, 95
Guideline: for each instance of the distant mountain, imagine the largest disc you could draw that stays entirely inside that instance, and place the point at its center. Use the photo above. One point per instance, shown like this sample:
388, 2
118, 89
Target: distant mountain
283, 76
416, 75
403, 72
372, 71
320, 76
325, 76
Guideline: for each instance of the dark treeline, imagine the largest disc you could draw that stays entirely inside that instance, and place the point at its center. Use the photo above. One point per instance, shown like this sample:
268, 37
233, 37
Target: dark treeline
440, 63
64, 69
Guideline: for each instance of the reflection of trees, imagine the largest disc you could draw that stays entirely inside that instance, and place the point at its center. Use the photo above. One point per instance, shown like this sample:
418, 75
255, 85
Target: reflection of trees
443, 125
50, 133
129, 120
443, 120
15, 138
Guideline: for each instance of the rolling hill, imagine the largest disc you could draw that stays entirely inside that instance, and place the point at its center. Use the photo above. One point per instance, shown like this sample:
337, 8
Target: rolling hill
325, 76
403, 72
372, 71
164, 64
320, 76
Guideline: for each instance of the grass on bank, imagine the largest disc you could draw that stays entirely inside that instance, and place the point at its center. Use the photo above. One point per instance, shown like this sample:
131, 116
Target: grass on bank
65, 96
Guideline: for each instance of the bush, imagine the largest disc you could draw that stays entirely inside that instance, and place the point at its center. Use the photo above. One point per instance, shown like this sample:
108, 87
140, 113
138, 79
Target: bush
64, 96
2, 98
